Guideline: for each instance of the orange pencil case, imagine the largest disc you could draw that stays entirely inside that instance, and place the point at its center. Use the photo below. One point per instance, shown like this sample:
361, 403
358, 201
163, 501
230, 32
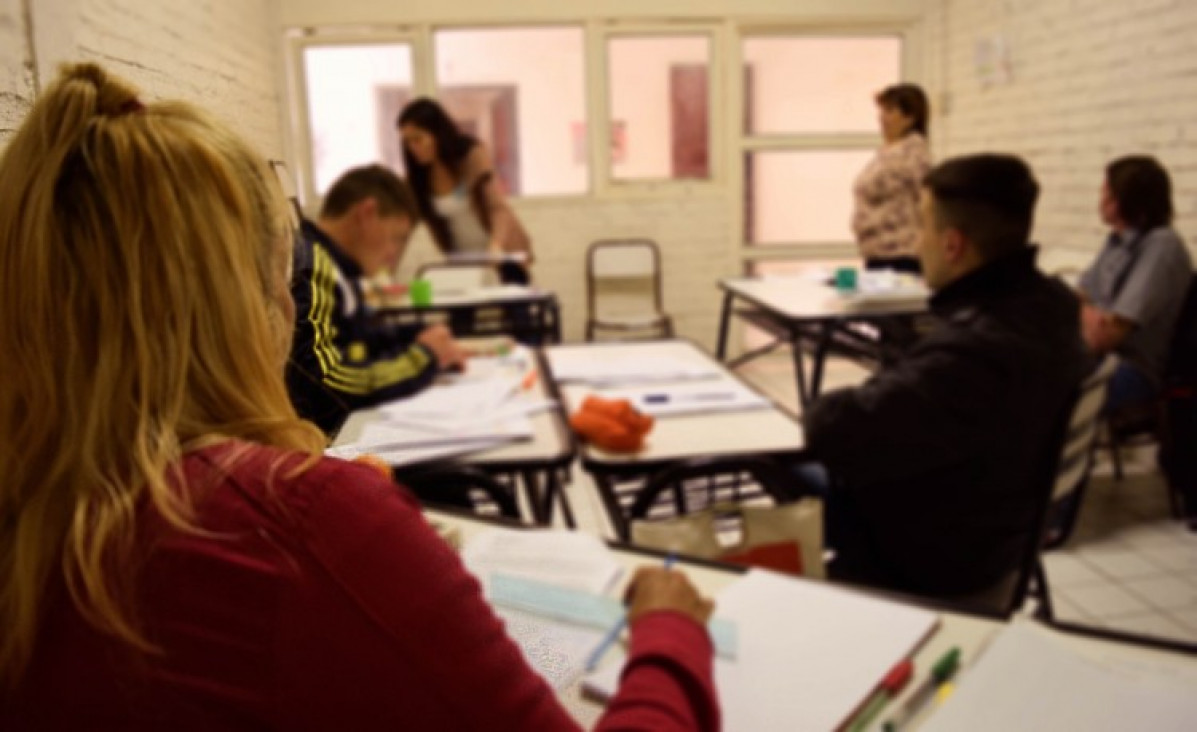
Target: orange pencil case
612, 424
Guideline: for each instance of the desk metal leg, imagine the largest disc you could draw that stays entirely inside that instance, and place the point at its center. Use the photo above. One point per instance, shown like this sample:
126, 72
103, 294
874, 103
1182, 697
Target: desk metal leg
619, 522
535, 497
721, 349
799, 369
822, 346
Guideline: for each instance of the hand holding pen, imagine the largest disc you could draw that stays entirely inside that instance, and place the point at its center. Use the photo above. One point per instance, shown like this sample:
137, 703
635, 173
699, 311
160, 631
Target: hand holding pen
651, 589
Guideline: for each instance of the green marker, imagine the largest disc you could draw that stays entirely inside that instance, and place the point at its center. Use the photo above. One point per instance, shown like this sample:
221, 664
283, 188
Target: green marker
943, 670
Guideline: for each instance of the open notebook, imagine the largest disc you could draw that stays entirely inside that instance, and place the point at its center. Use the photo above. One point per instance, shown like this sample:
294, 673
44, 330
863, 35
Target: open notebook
808, 653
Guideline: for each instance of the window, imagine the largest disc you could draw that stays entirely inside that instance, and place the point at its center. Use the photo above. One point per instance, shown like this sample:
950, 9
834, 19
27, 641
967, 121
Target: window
803, 85
659, 102
522, 91
354, 94
802, 196
810, 126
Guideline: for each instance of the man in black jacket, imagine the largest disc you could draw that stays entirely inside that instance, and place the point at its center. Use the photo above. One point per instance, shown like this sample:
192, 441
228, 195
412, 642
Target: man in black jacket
937, 459
340, 360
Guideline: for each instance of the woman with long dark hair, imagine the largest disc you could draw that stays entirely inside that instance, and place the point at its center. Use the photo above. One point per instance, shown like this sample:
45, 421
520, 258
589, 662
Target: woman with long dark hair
458, 194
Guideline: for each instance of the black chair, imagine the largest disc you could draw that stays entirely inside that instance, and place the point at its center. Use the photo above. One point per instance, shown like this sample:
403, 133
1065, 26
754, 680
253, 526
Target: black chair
460, 486
1171, 419
1005, 596
1076, 461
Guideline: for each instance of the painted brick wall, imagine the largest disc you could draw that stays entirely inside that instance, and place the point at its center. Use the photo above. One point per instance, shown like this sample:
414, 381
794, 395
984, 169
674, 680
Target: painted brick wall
220, 54
1091, 80
16, 69
693, 232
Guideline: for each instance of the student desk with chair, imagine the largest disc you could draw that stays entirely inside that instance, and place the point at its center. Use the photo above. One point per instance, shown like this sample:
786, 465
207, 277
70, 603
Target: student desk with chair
701, 410
1135, 675
808, 309
535, 454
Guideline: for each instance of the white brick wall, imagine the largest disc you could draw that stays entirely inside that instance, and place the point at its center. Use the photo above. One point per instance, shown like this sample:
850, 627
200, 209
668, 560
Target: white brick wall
693, 232
16, 69
1092, 80
221, 54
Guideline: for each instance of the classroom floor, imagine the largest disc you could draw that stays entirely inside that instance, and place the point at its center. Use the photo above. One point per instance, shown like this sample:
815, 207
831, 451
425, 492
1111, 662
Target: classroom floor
1128, 566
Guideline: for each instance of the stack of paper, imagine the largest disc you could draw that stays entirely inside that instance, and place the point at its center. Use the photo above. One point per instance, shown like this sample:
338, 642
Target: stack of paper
887, 286
586, 368
481, 409
701, 397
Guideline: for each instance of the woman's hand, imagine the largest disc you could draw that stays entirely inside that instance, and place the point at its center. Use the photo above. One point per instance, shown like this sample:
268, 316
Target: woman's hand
657, 588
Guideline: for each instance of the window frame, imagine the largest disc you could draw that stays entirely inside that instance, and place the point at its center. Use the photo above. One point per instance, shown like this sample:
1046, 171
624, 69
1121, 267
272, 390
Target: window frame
607, 185
300, 127
744, 142
728, 142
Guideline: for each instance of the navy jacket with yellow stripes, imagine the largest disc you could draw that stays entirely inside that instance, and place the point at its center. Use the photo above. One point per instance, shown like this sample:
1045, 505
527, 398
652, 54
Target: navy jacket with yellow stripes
341, 360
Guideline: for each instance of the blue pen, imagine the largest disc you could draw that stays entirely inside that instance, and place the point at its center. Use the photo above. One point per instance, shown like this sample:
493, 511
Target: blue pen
612, 635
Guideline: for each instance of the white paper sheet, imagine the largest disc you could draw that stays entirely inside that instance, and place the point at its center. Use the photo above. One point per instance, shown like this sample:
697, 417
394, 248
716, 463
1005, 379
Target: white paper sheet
1030, 681
809, 653
564, 558
584, 367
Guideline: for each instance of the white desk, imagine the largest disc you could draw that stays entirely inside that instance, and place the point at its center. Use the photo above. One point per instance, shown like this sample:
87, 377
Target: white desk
807, 308
766, 432
537, 307
967, 632
538, 462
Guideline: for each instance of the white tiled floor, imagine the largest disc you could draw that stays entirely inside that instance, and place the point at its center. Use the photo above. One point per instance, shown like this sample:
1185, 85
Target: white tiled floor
1128, 566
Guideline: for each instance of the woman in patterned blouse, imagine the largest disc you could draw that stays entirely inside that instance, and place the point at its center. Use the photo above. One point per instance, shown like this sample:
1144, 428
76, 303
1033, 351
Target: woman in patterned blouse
885, 219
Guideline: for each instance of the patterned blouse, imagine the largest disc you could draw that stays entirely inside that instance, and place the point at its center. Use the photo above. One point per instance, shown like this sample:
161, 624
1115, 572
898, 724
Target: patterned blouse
886, 216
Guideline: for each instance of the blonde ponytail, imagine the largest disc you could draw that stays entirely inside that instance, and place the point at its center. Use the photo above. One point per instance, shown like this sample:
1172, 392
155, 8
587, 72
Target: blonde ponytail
137, 296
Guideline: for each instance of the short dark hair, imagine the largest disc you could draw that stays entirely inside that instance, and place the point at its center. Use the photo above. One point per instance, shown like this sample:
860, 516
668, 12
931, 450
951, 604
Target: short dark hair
990, 198
1143, 190
370, 181
910, 100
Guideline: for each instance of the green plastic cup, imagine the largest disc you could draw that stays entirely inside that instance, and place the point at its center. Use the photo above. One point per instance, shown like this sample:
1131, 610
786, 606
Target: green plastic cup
420, 292
845, 279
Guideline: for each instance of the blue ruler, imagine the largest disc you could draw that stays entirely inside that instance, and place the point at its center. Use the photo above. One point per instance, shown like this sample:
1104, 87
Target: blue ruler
583, 608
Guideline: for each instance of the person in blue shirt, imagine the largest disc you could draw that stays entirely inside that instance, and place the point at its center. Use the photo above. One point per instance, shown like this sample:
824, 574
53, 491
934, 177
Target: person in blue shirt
1133, 292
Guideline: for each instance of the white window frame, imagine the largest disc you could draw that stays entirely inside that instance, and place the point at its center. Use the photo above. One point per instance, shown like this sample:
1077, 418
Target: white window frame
429, 32
300, 129
599, 92
744, 142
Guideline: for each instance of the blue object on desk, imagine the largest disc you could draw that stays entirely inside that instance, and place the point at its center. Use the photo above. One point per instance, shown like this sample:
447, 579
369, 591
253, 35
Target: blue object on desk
583, 608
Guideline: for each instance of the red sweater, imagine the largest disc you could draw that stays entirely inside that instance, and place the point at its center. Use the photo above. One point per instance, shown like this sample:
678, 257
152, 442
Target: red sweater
323, 601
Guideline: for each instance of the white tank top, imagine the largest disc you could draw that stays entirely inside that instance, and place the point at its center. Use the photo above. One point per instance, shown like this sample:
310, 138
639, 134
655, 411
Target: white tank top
465, 230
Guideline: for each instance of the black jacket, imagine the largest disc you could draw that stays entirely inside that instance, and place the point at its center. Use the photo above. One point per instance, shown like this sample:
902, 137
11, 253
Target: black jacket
934, 456
340, 360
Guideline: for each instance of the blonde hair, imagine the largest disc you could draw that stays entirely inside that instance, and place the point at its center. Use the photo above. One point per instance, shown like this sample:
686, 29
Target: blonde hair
138, 316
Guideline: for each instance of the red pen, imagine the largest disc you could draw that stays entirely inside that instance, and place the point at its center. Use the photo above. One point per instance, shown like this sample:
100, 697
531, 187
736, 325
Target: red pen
890, 687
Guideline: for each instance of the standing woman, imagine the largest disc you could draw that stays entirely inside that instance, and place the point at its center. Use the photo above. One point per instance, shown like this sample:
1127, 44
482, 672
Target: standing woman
458, 194
886, 218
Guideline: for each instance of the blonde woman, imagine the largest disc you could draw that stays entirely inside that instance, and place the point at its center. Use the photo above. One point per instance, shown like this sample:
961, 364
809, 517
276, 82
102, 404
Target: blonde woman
174, 552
